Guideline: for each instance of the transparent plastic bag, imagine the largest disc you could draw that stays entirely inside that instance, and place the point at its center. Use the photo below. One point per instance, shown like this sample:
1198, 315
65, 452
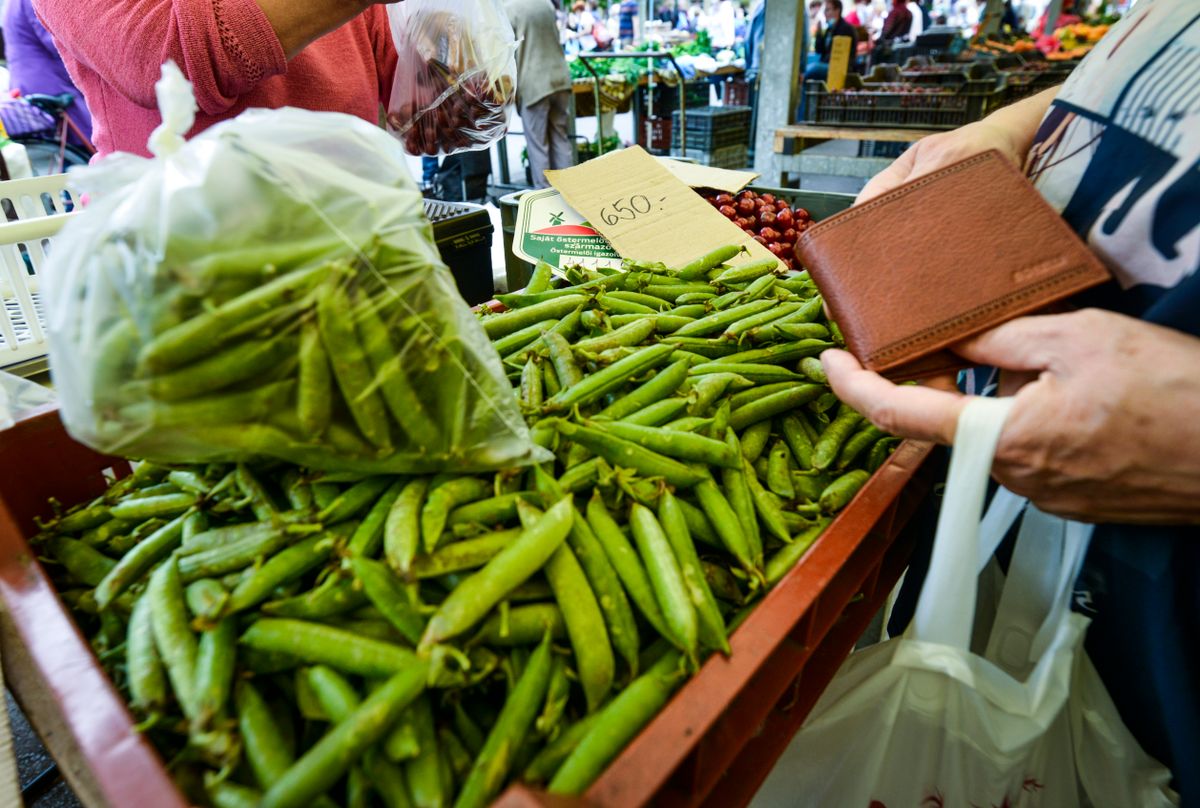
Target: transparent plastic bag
19, 397
457, 78
271, 289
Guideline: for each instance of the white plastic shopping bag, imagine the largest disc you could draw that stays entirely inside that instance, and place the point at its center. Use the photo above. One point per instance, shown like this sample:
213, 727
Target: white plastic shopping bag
919, 720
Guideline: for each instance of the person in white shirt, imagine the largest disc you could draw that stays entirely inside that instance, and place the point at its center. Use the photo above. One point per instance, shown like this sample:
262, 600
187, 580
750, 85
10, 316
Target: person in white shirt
918, 20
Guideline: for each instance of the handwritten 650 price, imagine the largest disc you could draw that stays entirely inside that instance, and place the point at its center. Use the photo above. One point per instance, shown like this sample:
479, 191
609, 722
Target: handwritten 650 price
623, 210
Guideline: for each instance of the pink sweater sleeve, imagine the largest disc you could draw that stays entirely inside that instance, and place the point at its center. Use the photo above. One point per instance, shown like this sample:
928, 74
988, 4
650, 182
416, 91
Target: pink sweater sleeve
224, 47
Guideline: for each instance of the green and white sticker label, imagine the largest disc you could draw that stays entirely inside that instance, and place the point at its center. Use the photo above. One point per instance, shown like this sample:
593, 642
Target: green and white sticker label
549, 230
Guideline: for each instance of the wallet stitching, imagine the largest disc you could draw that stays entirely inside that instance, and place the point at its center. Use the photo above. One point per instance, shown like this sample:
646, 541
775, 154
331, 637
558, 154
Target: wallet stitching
898, 193
940, 329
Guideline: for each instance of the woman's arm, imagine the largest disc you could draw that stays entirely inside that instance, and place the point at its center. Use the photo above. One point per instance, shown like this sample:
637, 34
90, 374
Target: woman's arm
224, 47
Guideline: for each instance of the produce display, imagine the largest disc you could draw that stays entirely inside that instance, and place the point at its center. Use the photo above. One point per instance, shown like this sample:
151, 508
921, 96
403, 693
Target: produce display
289, 637
771, 221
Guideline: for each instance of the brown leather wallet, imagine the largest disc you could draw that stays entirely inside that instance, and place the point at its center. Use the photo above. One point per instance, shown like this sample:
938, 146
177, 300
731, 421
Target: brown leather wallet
940, 259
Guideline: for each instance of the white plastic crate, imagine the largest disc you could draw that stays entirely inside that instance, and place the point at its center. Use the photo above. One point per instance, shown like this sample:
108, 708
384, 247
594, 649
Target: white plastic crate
34, 211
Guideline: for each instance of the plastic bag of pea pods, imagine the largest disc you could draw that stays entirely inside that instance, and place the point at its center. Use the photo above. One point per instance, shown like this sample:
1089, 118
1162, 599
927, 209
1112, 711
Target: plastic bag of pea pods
270, 289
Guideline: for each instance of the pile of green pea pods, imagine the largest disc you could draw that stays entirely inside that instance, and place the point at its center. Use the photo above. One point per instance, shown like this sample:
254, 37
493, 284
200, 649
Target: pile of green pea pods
287, 637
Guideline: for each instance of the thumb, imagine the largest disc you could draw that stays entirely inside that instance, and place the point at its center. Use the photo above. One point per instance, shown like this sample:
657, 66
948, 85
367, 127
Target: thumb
1027, 343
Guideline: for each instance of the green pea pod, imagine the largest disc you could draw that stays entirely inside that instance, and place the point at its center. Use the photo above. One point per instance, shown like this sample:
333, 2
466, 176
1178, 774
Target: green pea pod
839, 492
811, 367
227, 794
526, 338
756, 290
327, 760
474, 597
710, 624
143, 666
610, 378
722, 583
369, 535
701, 529
689, 424
880, 452
539, 281
698, 268
463, 555
774, 404
630, 455
165, 505
351, 502
706, 390
83, 564
285, 566
134, 564
214, 673
616, 303
443, 499
402, 529
585, 475
756, 393
656, 414
634, 333
780, 354
616, 725
741, 499
266, 747
525, 625
424, 770
594, 661
720, 421
718, 321
387, 365
314, 390
195, 337
493, 763
500, 325
350, 366
546, 762
754, 440
315, 643
671, 443
232, 557
493, 511
789, 554
725, 521
769, 512
206, 599
532, 390
625, 562
387, 594
666, 579
243, 362
797, 439
779, 479
618, 614
825, 453
858, 443
558, 693
782, 311
84, 519
712, 348
334, 596
173, 636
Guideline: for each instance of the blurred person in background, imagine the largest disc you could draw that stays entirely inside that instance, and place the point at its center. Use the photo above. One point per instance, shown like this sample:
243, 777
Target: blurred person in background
34, 64
543, 87
722, 26
628, 23
835, 26
918, 19
897, 24
326, 55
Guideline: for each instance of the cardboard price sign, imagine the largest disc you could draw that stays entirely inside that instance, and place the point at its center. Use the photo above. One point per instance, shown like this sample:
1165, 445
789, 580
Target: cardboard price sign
645, 211
839, 63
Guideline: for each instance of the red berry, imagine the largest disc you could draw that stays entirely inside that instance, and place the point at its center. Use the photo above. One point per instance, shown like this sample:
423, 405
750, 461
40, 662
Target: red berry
778, 249
723, 199
784, 218
801, 213
746, 205
727, 211
768, 198
749, 231
762, 241
769, 233
766, 217
789, 235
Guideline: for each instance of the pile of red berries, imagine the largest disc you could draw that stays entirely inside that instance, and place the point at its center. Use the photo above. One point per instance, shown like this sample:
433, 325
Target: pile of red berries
771, 221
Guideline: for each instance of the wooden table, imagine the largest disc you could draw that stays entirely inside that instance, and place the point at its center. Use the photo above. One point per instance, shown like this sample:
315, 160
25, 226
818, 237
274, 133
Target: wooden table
791, 141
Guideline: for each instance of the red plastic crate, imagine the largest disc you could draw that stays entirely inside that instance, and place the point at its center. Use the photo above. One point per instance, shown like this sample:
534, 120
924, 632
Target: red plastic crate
713, 744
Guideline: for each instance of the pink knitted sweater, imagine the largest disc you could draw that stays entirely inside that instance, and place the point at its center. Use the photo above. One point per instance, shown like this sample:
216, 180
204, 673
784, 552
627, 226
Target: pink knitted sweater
114, 51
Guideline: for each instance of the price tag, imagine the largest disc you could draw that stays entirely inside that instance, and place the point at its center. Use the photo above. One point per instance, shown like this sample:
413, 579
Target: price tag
839, 62
645, 211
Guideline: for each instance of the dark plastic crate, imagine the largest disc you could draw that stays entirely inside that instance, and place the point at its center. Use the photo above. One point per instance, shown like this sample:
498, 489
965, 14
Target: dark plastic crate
666, 97
735, 157
463, 233
713, 128
901, 105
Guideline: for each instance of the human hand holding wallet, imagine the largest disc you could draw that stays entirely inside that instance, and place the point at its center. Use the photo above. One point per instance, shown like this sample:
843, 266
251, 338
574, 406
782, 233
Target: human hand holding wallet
940, 259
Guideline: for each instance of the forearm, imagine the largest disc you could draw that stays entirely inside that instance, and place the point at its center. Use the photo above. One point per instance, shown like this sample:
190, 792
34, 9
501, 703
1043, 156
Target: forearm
1020, 121
299, 22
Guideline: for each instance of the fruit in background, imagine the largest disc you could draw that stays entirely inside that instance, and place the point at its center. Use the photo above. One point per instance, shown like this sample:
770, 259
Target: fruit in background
771, 221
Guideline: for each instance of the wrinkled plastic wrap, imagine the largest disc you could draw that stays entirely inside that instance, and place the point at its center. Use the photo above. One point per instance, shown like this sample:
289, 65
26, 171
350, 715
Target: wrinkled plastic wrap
19, 397
457, 78
271, 289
